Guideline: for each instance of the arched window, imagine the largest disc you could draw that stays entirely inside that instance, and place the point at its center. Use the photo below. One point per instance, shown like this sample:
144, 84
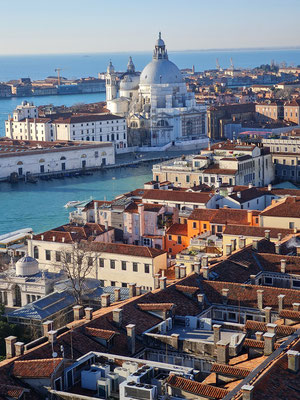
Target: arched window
63, 158
133, 124
42, 160
18, 299
36, 252
162, 122
19, 163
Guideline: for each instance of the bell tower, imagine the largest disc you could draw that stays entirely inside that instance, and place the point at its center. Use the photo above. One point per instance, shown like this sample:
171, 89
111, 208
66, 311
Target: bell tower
110, 83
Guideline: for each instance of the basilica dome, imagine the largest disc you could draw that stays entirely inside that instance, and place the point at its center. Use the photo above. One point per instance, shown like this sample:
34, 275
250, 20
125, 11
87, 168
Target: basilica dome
27, 266
160, 69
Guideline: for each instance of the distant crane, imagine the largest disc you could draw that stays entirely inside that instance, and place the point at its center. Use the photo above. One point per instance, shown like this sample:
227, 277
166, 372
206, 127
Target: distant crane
217, 64
58, 75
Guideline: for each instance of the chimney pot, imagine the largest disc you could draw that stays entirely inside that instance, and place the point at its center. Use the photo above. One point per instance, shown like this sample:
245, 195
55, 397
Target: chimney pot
296, 306
132, 290
293, 360
19, 348
88, 313
228, 249
283, 266
225, 295
131, 338
47, 326
233, 244
163, 282
277, 248
281, 302
268, 311
52, 336
255, 244
242, 242
77, 312
279, 236
105, 300
177, 272
259, 335
117, 294
156, 279
118, 316
267, 234
10, 346
197, 267
182, 271
205, 273
222, 352
217, 333
204, 261
269, 343
260, 294
138, 290
247, 391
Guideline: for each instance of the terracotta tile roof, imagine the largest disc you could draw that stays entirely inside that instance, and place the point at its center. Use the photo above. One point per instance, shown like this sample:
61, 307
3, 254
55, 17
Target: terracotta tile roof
246, 295
42, 368
196, 388
11, 392
257, 344
200, 214
152, 207
177, 229
187, 289
255, 231
272, 262
100, 333
156, 306
281, 330
291, 314
177, 196
288, 208
125, 249
226, 216
230, 370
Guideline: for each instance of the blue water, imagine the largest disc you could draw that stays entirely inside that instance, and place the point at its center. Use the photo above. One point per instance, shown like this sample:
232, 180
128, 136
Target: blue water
40, 206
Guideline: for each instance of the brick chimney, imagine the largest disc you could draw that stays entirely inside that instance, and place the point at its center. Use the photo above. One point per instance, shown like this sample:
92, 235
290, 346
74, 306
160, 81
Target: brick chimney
247, 391
228, 249
19, 348
281, 302
271, 328
132, 291
267, 234
177, 271
293, 360
268, 311
269, 343
255, 244
10, 346
277, 248
200, 299
52, 336
222, 352
242, 242
47, 326
130, 329
182, 271
260, 299
88, 313
118, 316
77, 312
217, 333
283, 266
205, 272
163, 282
197, 267
117, 294
105, 300
225, 296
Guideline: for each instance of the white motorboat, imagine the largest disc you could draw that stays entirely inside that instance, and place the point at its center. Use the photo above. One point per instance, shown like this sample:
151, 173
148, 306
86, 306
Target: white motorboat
73, 203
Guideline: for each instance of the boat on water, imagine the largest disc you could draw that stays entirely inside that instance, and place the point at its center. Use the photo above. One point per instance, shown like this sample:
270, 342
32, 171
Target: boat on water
76, 203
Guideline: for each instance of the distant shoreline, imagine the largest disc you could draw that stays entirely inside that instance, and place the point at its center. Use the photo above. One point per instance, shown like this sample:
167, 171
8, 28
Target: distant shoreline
225, 50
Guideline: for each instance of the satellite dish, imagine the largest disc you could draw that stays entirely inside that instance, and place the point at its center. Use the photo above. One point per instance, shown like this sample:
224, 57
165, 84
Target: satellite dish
54, 354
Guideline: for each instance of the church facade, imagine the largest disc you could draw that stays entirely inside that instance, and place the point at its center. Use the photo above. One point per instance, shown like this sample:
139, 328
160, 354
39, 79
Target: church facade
158, 108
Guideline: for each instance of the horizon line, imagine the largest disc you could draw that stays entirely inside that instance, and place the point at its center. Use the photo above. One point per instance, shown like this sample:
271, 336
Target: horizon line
227, 49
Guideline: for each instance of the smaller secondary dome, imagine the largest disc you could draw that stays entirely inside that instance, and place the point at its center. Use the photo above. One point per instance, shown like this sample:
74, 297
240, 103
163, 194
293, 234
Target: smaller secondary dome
159, 41
110, 68
27, 266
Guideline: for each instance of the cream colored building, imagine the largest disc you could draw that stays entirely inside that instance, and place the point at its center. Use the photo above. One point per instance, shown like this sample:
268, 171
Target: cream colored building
283, 213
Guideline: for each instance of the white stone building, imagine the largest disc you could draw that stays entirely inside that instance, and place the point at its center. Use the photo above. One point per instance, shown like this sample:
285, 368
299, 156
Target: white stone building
156, 103
25, 124
32, 157
25, 283
94, 127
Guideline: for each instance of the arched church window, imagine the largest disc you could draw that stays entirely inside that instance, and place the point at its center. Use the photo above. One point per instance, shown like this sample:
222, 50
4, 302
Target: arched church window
63, 158
36, 252
133, 124
162, 122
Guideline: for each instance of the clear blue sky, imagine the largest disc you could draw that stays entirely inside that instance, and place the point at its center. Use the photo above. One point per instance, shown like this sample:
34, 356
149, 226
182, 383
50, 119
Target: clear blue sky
71, 26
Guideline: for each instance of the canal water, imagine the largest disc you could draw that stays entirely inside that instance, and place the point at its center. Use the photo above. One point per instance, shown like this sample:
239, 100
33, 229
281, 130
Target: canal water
40, 206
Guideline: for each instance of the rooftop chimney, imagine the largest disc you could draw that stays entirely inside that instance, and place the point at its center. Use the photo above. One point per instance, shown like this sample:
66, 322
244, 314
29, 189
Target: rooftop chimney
77, 312
268, 311
279, 236
197, 267
117, 294
177, 272
200, 299
132, 291
118, 316
53, 238
131, 338
205, 272
52, 336
252, 279
88, 313
259, 335
242, 242
255, 244
293, 360
182, 271
269, 343
47, 326
105, 300
269, 187
222, 352
10, 346
225, 295
247, 391
217, 333
228, 249
233, 244
138, 290
63, 239
260, 302
239, 194
282, 266
163, 282
250, 185
204, 261
296, 306
277, 248
267, 234
42, 237
281, 302
19, 348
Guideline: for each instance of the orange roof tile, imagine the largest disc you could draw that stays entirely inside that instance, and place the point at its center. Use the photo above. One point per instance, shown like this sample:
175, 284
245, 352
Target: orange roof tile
42, 368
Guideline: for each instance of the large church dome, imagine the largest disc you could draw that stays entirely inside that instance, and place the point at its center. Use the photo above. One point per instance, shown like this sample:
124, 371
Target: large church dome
160, 69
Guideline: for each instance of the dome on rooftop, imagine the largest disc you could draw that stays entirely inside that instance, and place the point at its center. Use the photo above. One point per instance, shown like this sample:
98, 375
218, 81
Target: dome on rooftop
27, 266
